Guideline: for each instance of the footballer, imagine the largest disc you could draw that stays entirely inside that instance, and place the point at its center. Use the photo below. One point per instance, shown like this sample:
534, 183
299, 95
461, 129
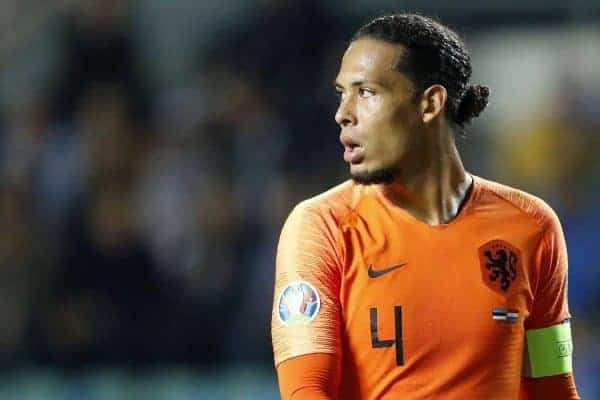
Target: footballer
416, 279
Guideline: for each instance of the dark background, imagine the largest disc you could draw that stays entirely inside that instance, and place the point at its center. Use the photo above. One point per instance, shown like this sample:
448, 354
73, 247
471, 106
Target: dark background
150, 151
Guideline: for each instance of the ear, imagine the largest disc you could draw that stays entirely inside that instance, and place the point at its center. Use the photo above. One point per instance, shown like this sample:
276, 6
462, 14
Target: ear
433, 102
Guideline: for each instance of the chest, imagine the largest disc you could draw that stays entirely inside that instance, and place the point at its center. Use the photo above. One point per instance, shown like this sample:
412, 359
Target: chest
442, 286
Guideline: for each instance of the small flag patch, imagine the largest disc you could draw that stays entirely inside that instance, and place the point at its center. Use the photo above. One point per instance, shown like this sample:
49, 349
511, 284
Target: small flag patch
503, 314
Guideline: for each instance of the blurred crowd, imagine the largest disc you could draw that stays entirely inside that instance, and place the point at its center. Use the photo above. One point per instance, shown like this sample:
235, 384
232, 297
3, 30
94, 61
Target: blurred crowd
139, 223
139, 226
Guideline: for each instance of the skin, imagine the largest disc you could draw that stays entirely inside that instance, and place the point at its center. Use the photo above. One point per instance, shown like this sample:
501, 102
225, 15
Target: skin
399, 139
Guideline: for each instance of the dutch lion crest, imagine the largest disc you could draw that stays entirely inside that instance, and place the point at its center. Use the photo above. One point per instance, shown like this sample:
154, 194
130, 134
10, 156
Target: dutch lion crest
500, 262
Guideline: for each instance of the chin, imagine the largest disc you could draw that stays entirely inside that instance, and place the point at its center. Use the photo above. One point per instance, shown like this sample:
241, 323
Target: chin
381, 175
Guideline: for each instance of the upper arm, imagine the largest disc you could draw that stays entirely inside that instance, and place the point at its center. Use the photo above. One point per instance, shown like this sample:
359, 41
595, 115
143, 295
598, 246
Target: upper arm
556, 387
550, 304
306, 311
548, 342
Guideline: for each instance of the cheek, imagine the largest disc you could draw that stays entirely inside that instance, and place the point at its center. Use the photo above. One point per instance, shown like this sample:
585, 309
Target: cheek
391, 134
381, 123
373, 115
373, 106
386, 127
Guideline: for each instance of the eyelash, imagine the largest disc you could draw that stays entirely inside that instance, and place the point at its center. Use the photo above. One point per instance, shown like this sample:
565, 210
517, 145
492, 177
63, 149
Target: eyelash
362, 92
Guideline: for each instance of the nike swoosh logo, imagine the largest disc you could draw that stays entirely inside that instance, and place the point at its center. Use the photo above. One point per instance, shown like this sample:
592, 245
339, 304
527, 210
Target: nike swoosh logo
377, 273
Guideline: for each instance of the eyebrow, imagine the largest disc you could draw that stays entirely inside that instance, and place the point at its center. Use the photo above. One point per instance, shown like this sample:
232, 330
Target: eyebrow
359, 82
336, 84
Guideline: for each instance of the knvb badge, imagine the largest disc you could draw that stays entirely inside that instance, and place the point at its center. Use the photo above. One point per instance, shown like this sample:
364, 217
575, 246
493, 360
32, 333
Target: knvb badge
500, 264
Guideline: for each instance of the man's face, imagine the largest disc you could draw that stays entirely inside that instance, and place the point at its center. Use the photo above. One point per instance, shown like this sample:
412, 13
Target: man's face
377, 114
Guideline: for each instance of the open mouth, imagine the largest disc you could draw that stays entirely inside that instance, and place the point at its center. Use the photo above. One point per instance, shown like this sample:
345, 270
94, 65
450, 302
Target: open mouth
353, 152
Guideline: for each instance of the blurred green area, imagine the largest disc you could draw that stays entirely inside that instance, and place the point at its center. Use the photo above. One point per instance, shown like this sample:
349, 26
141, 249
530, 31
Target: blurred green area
244, 383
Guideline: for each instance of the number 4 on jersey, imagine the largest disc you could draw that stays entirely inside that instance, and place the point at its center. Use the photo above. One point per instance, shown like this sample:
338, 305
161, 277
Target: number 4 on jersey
378, 343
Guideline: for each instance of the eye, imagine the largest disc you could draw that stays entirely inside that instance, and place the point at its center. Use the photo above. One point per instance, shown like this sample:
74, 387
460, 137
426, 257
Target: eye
339, 93
365, 92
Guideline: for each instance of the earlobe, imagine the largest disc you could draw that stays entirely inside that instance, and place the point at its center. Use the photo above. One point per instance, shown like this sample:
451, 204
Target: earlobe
433, 102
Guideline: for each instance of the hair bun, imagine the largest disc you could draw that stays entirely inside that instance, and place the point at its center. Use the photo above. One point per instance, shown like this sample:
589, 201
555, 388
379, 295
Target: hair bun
472, 103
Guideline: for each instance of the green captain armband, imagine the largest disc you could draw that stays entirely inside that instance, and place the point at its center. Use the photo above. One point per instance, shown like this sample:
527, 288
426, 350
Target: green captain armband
548, 351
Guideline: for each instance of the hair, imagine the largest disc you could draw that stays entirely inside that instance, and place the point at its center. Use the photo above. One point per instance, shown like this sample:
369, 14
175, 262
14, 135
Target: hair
434, 54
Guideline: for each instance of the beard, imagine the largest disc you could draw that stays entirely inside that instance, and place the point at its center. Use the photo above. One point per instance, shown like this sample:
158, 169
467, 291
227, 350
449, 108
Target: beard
382, 175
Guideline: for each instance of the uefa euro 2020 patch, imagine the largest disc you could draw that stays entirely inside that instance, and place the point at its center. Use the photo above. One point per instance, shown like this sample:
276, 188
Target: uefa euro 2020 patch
298, 302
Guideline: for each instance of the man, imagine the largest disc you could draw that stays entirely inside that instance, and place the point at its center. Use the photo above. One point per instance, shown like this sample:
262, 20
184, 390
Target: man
428, 282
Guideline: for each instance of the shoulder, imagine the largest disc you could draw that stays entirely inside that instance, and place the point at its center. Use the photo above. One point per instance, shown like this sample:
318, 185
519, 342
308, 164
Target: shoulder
526, 204
310, 238
331, 207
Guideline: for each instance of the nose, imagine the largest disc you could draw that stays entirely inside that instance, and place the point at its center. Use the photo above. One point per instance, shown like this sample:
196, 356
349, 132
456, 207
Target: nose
345, 114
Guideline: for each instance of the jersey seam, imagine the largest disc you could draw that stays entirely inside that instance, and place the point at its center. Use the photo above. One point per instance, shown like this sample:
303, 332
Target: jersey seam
340, 219
317, 212
541, 221
289, 357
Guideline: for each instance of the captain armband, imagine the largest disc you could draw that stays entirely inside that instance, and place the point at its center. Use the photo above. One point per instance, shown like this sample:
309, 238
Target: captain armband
548, 351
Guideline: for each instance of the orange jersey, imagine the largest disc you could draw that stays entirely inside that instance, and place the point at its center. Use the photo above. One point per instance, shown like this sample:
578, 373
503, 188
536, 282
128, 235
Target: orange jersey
417, 311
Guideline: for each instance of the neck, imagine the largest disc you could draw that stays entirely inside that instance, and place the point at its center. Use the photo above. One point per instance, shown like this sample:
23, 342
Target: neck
434, 184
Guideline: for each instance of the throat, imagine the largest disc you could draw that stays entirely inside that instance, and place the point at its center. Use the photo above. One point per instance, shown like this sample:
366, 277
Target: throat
432, 184
434, 202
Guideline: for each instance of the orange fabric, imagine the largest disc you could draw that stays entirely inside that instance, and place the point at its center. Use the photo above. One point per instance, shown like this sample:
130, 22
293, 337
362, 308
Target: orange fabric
557, 387
309, 377
408, 307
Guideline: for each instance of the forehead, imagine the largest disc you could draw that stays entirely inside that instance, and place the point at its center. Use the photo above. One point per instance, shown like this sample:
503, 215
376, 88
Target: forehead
370, 59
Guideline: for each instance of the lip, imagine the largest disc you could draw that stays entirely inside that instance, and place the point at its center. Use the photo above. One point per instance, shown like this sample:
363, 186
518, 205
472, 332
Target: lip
353, 151
347, 140
354, 155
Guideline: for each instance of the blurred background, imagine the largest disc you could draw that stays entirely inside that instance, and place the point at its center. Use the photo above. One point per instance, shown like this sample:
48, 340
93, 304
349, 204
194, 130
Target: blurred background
150, 151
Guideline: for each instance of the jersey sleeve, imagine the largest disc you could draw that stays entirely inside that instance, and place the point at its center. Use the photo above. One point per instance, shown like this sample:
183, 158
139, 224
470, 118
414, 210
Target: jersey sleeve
550, 305
556, 387
548, 343
306, 311
309, 377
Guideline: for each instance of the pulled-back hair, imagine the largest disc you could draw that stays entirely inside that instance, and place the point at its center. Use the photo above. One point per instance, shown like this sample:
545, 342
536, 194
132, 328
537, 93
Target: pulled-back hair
434, 54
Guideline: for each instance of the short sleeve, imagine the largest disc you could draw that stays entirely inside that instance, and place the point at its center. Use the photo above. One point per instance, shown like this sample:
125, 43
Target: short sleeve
550, 306
306, 311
